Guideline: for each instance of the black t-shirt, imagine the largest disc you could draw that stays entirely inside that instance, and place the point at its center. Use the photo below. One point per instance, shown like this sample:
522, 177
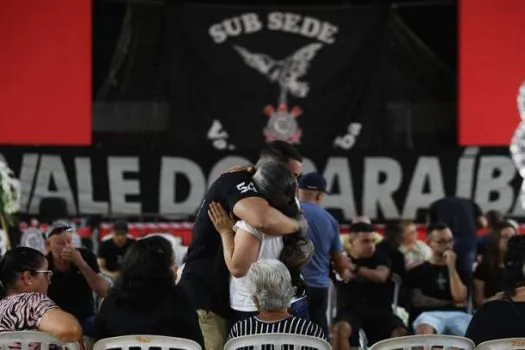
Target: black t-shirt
493, 278
433, 281
497, 320
113, 254
361, 295
397, 259
71, 291
171, 315
460, 214
205, 276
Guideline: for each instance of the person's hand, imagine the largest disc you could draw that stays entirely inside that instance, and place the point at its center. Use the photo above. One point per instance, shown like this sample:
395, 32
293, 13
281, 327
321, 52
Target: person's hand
221, 220
347, 275
238, 168
72, 255
450, 258
303, 225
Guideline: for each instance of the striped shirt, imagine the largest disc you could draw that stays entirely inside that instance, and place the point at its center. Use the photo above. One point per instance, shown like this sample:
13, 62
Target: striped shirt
23, 311
290, 325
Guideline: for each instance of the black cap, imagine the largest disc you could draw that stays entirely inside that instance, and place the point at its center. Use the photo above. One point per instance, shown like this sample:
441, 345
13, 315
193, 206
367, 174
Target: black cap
313, 181
121, 227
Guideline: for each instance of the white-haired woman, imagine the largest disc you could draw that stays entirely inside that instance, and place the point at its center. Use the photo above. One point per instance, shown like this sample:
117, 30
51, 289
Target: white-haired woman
271, 286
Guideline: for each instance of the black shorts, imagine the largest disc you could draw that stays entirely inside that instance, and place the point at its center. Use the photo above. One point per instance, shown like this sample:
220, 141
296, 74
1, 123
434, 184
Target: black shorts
378, 325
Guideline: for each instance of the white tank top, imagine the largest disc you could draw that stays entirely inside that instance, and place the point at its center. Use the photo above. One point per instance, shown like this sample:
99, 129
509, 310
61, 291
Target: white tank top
240, 293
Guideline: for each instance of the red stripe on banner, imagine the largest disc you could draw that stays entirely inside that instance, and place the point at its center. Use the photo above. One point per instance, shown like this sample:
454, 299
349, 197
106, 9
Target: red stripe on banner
45, 72
492, 67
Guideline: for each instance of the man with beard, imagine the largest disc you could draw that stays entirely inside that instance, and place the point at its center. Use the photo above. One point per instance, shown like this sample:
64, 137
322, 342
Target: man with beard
439, 292
205, 276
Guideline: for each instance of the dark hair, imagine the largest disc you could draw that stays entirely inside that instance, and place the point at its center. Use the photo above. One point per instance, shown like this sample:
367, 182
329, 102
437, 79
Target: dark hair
281, 151
514, 264
15, 262
276, 183
494, 217
436, 226
361, 227
392, 234
145, 276
494, 256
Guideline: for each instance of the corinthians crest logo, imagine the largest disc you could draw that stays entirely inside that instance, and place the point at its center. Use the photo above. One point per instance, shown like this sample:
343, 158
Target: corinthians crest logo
282, 123
288, 72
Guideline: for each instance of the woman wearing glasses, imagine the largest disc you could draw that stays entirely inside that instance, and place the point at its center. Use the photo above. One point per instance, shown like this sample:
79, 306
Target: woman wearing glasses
24, 280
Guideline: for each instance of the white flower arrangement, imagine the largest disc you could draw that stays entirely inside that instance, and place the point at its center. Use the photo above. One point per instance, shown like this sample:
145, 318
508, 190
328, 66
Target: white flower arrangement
10, 192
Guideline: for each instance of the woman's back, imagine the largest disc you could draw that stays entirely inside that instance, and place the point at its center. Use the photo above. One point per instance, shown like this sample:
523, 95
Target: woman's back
270, 248
498, 319
23, 311
170, 315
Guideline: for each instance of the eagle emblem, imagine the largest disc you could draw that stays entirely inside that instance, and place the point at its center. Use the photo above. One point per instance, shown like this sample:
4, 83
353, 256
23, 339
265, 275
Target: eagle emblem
282, 124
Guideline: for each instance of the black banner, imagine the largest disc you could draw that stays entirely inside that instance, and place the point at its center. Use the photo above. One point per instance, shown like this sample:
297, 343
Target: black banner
243, 76
378, 186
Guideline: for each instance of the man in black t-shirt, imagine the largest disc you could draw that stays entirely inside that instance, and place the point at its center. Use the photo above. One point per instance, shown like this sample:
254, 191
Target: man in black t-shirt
205, 276
463, 216
75, 276
112, 251
365, 301
439, 292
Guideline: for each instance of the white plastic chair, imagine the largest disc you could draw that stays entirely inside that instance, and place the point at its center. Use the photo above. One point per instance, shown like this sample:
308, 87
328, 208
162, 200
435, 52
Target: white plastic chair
145, 342
424, 342
503, 344
331, 304
25, 338
277, 340
397, 288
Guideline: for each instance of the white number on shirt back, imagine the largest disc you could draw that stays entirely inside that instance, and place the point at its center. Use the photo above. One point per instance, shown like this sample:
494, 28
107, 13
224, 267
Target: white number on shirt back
243, 187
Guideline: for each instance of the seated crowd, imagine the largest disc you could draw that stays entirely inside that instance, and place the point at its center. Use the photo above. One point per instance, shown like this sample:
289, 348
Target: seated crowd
55, 293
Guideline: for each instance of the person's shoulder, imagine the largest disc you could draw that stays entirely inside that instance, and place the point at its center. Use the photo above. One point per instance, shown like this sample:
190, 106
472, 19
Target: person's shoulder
234, 177
308, 327
178, 297
496, 307
108, 243
243, 225
421, 268
31, 298
379, 258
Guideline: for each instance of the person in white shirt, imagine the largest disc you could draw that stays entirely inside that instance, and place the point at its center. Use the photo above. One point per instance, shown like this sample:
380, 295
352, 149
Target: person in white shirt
414, 250
243, 244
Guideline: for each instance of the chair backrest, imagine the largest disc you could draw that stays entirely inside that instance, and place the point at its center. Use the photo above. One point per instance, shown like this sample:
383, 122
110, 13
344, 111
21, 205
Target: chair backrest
425, 342
277, 340
25, 338
331, 304
503, 344
145, 342
396, 279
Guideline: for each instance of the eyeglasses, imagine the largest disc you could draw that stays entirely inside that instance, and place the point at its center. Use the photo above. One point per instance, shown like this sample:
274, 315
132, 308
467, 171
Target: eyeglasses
48, 273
